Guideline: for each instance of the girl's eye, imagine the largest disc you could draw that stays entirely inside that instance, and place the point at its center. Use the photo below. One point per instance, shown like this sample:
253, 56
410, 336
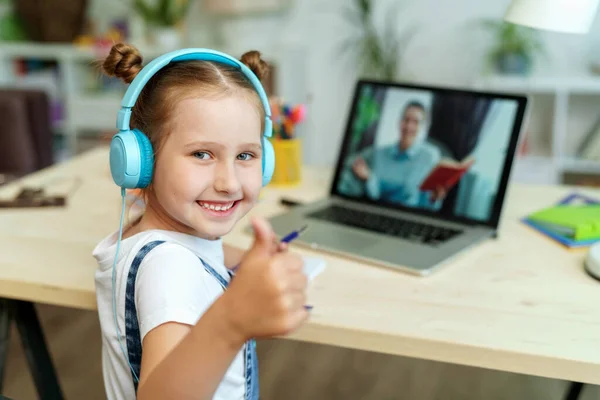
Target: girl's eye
202, 155
245, 156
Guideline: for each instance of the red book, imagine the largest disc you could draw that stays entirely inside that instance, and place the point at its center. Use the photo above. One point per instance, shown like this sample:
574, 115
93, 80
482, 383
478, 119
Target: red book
447, 174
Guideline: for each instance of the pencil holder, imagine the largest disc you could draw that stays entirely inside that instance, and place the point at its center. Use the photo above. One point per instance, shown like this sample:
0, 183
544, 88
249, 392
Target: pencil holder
288, 161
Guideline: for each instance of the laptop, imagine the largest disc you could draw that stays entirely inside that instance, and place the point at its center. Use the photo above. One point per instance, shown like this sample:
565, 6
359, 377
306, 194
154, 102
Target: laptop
421, 176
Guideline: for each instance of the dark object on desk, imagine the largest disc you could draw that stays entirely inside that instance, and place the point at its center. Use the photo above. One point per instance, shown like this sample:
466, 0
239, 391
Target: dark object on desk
52, 201
289, 202
581, 178
7, 178
28, 193
26, 132
33, 198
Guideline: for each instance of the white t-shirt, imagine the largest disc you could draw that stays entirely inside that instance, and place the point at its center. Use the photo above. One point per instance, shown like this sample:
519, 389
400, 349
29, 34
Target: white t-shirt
171, 285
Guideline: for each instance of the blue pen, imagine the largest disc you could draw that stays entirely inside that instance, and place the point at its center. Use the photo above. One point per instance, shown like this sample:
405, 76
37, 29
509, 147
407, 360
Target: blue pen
293, 235
286, 239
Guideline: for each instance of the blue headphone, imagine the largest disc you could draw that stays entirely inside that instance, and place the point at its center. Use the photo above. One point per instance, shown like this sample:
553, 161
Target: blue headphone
131, 153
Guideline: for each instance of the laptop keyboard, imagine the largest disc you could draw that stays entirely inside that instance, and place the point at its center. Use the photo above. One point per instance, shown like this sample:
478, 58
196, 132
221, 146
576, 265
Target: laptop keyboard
394, 226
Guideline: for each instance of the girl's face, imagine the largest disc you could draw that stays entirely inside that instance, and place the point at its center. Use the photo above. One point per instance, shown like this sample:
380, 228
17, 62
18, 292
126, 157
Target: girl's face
208, 173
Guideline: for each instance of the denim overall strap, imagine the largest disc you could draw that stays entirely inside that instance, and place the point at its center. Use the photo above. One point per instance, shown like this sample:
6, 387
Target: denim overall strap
250, 356
132, 329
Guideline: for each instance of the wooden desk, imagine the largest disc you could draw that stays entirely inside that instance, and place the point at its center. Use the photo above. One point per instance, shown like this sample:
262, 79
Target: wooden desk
519, 303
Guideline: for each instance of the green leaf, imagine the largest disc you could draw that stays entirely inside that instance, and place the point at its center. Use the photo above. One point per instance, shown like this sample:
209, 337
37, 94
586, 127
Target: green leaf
365, 7
376, 51
347, 44
352, 16
143, 9
164, 12
512, 39
183, 10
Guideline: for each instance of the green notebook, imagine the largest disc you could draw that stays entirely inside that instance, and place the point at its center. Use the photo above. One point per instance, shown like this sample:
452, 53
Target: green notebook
581, 221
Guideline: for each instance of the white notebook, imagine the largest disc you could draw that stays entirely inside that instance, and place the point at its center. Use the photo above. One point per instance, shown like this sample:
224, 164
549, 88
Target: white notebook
313, 266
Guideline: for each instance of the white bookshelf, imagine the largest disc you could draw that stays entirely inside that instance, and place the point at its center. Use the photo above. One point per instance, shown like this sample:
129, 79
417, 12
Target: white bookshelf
573, 103
96, 112
81, 110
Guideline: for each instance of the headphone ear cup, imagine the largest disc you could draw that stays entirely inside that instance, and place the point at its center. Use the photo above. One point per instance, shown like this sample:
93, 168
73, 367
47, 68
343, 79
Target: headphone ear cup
131, 159
268, 161
146, 159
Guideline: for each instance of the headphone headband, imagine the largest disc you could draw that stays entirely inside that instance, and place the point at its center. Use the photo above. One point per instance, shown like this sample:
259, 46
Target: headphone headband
147, 72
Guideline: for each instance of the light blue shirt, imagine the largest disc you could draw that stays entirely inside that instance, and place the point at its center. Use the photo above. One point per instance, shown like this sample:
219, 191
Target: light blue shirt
395, 175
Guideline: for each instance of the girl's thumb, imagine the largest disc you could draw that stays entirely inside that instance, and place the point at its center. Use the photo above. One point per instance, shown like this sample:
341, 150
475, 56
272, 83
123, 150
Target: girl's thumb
264, 237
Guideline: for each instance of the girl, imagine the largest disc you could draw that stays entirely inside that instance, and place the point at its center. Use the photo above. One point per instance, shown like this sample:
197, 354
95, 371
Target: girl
195, 324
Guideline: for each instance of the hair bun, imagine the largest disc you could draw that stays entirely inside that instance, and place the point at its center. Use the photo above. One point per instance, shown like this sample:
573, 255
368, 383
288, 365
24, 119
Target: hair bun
255, 63
124, 62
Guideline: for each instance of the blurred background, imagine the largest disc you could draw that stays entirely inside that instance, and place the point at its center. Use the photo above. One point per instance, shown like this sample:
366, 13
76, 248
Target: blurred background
318, 49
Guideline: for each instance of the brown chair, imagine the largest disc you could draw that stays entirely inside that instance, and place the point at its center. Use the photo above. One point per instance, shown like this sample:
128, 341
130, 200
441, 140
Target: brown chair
25, 131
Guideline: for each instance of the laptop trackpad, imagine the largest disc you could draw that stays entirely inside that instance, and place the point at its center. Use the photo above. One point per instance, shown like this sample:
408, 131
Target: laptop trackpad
341, 239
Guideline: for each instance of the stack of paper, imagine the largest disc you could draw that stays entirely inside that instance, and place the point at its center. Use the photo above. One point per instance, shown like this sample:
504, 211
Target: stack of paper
574, 222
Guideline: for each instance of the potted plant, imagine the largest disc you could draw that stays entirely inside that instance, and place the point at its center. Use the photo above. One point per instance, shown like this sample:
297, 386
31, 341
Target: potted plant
163, 18
51, 21
377, 54
514, 49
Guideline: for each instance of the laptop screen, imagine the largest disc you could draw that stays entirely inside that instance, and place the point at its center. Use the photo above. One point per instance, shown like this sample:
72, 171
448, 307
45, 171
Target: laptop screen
440, 151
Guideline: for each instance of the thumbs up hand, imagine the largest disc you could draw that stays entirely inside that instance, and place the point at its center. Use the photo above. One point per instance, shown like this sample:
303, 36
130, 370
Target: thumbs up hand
267, 296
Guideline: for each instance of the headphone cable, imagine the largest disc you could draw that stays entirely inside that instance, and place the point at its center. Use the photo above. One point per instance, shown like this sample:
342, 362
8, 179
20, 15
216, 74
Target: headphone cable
114, 295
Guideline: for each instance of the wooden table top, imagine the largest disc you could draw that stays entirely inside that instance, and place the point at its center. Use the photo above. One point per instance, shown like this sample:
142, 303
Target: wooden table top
520, 303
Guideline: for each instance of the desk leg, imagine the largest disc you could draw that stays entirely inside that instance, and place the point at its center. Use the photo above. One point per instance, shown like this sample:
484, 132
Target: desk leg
34, 345
574, 391
5, 317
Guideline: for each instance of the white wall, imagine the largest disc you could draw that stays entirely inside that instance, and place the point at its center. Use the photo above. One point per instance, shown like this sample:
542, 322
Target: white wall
447, 50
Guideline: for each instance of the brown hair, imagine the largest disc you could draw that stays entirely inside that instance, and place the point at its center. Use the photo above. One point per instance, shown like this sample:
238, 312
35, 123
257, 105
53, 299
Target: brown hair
178, 81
